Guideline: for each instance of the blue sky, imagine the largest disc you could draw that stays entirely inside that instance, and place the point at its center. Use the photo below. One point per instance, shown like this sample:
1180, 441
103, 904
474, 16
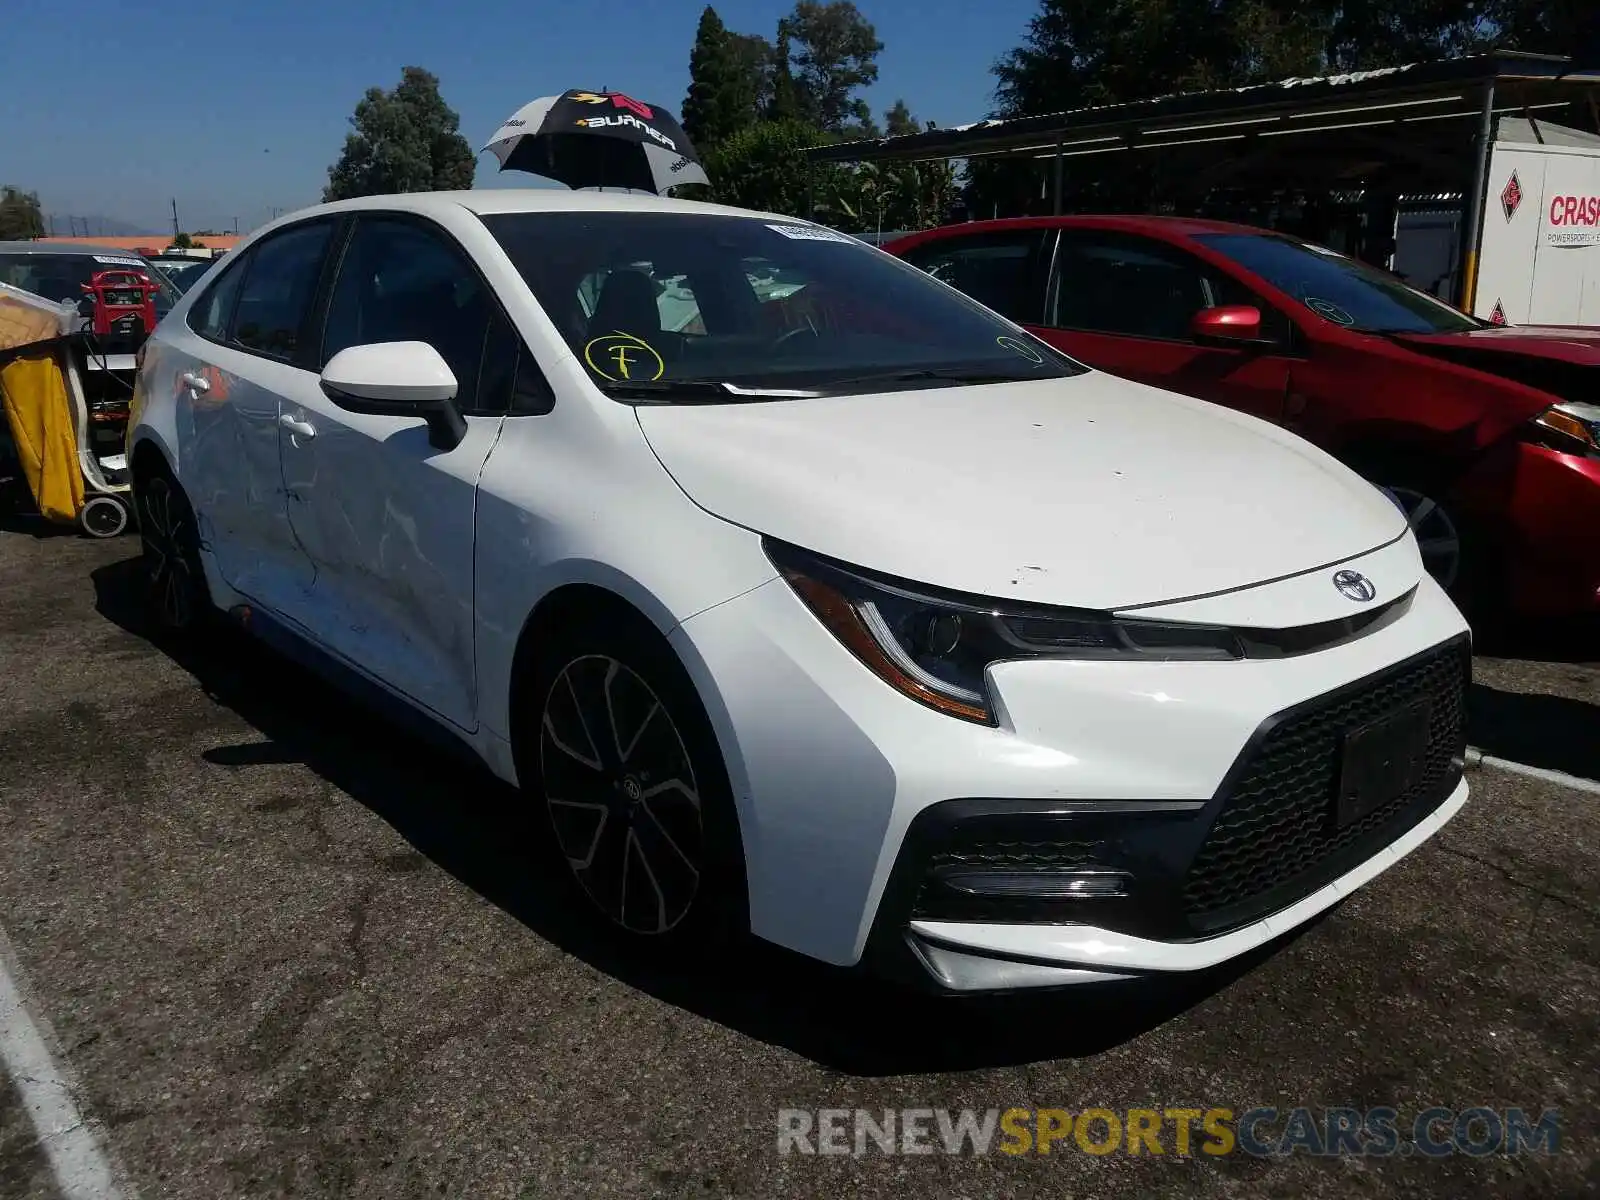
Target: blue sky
237, 108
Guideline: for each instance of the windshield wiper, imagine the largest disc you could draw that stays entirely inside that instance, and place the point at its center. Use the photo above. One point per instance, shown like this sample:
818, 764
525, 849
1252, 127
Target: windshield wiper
693, 391
939, 374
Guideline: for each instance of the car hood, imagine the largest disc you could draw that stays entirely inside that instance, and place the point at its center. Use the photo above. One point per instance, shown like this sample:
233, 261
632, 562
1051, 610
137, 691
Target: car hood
1090, 491
1577, 345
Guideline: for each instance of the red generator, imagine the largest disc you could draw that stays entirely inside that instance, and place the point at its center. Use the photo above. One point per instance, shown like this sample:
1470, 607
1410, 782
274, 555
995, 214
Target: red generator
124, 304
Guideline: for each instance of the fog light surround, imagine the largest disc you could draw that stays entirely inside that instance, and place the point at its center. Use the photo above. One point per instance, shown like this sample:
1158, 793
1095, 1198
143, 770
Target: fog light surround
1089, 883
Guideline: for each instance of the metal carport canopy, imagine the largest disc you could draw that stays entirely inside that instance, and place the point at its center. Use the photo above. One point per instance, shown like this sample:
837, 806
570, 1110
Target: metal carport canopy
1406, 95
1433, 120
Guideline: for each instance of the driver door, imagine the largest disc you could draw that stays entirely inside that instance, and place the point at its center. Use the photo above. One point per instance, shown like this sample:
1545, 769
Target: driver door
387, 518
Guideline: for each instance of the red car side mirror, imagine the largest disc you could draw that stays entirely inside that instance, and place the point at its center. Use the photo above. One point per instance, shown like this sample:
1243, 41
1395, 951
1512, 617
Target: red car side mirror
1227, 324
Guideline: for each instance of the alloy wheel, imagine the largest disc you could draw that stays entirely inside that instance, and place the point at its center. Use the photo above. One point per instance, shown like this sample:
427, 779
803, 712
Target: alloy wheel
163, 532
1437, 535
622, 794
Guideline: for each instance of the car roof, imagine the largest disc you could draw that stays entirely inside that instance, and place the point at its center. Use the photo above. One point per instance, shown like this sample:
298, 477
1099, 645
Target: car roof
66, 249
492, 201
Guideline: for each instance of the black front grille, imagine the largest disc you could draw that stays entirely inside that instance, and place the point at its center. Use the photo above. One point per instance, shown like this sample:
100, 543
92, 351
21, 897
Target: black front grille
1274, 837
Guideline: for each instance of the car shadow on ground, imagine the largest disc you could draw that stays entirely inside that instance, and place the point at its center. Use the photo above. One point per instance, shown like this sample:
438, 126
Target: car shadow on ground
478, 829
1557, 733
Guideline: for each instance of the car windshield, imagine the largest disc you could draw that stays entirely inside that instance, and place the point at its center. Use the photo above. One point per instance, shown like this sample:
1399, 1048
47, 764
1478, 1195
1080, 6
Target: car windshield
61, 277
1337, 288
658, 304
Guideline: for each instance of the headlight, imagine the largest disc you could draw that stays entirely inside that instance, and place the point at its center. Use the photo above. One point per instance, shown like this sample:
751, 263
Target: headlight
937, 646
1572, 426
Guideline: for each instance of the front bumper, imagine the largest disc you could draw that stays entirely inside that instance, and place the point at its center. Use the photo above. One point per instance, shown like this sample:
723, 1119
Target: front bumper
1167, 772
1542, 509
1195, 882
974, 957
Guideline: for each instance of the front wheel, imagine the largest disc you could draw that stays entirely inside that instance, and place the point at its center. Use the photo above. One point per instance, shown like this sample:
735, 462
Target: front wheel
1453, 550
633, 785
1438, 536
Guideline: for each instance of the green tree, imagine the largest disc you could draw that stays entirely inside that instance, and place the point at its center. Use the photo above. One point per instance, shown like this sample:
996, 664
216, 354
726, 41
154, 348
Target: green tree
898, 121
20, 215
722, 89
836, 49
405, 140
182, 241
1570, 27
756, 65
765, 167
784, 104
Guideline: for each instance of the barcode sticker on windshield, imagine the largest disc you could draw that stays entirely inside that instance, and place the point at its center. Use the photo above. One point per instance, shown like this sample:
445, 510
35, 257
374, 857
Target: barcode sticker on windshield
810, 233
121, 262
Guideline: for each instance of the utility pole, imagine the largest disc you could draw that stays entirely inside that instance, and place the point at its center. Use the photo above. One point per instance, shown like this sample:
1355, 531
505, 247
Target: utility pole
175, 229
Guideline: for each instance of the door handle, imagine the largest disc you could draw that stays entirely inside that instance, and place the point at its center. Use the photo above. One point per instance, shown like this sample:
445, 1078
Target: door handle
296, 426
195, 383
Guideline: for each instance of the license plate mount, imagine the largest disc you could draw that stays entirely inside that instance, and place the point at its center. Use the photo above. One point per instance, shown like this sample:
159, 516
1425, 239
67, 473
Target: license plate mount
1381, 761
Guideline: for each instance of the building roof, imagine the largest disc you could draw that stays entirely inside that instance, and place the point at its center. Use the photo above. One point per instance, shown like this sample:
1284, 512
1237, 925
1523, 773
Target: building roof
73, 246
1408, 94
148, 243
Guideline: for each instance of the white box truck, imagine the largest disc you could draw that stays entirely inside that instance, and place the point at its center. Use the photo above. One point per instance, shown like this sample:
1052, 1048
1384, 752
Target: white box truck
1539, 253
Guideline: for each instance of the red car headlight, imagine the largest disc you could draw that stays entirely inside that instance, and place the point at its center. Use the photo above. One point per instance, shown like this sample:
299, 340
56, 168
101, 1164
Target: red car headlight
1573, 426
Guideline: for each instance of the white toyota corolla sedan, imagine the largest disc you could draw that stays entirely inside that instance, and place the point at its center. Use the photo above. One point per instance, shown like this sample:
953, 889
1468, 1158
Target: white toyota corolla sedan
805, 595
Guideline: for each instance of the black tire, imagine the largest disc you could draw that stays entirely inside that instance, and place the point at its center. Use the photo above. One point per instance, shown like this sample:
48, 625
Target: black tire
1453, 549
169, 539
634, 792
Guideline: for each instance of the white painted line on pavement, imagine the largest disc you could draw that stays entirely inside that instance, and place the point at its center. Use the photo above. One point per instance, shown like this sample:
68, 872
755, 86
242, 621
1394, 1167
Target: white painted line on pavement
81, 1168
1477, 758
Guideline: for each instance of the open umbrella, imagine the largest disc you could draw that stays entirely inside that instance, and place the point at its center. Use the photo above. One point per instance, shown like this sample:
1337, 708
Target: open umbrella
598, 139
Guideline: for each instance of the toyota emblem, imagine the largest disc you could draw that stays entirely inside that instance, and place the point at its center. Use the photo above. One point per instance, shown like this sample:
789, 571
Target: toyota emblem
1353, 585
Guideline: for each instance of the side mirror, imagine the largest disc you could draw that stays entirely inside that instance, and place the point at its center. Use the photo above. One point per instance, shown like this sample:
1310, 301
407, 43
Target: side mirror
1228, 325
398, 379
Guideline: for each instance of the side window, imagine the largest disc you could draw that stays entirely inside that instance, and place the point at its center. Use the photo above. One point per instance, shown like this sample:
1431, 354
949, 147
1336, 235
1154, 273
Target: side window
402, 282
211, 312
280, 283
510, 381
1126, 284
1003, 271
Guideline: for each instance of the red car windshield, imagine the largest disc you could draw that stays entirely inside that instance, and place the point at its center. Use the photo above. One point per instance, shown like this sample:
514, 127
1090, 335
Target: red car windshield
1339, 289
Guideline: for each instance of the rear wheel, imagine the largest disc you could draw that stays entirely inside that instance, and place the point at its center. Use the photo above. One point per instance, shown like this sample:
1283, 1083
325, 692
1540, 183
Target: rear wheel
620, 754
175, 582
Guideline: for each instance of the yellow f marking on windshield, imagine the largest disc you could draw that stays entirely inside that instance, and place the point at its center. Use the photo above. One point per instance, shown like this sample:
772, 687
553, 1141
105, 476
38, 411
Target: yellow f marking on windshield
619, 356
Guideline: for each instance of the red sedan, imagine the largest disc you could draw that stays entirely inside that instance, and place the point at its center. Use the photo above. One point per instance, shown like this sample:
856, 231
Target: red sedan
1488, 436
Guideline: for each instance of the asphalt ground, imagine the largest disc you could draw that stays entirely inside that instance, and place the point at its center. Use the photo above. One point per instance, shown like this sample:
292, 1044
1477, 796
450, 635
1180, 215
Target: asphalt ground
284, 950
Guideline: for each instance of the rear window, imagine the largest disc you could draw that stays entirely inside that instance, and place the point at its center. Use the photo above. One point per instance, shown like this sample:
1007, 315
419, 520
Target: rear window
61, 277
